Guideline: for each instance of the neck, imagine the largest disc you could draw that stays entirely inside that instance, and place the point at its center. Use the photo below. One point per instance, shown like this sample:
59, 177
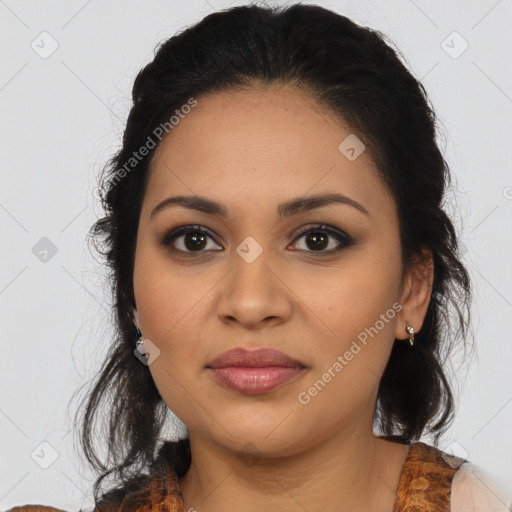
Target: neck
349, 471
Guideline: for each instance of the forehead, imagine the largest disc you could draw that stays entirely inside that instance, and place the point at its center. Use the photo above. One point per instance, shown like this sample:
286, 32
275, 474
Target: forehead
261, 145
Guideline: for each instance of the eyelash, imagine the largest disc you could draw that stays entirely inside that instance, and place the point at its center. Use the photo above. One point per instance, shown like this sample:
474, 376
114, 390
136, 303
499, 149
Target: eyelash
344, 239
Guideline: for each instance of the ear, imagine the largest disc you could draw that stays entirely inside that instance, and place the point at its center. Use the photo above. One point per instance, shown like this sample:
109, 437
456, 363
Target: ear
415, 295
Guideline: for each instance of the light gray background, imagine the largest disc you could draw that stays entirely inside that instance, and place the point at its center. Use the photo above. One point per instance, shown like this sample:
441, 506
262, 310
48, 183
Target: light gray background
62, 117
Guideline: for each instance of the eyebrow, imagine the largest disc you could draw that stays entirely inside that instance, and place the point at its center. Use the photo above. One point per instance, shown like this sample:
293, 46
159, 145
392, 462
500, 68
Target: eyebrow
287, 209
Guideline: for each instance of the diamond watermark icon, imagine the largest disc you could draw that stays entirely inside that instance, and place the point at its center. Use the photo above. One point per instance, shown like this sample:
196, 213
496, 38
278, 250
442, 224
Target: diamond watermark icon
249, 249
351, 147
44, 45
249, 454
147, 352
45, 455
44, 250
455, 454
454, 45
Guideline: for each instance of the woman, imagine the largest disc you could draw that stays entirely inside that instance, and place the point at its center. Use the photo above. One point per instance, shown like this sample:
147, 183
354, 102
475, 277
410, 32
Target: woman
285, 278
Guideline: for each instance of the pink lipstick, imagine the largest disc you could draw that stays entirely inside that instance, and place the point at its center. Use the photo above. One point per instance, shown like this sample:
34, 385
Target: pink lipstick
255, 371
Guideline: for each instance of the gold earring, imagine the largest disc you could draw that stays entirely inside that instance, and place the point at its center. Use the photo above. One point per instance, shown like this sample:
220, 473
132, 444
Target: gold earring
410, 332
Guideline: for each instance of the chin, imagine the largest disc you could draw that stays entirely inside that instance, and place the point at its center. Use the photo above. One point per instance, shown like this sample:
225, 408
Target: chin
254, 441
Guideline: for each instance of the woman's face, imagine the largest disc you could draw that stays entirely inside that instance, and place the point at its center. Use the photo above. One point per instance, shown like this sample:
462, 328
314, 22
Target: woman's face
253, 280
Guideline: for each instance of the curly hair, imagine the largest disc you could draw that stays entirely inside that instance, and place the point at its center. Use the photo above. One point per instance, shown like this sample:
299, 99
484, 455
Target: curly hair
354, 71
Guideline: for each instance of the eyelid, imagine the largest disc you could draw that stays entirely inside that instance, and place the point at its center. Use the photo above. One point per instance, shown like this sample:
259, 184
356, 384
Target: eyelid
322, 227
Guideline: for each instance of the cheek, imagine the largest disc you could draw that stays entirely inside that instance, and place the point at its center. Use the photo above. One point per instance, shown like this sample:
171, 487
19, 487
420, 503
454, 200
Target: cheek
360, 307
166, 294
169, 307
349, 365
353, 296
171, 303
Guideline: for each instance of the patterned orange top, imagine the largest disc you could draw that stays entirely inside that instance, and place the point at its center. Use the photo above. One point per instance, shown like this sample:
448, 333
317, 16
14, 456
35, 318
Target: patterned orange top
426, 479
424, 486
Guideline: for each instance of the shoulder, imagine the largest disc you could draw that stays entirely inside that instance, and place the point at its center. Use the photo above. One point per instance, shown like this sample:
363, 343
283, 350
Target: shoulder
426, 479
140, 492
135, 493
109, 502
476, 489
432, 479
132, 496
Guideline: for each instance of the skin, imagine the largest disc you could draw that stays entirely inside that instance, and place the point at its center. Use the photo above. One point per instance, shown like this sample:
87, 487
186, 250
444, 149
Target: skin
251, 150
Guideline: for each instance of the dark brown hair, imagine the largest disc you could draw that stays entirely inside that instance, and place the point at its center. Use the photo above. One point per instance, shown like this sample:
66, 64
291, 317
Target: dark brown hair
359, 77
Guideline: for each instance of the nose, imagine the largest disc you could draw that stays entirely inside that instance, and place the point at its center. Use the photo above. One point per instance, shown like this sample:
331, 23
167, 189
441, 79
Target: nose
254, 294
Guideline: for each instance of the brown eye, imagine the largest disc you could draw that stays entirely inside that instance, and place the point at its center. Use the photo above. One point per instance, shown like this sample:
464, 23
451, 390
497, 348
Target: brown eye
194, 240
318, 238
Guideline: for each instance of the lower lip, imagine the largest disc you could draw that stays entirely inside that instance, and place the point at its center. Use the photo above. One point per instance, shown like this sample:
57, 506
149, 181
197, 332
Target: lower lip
253, 381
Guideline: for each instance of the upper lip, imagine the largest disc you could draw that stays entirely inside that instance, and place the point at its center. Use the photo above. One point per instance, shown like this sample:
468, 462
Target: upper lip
259, 358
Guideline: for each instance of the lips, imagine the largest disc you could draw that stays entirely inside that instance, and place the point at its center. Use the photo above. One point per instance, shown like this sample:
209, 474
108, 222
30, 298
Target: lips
260, 358
255, 372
